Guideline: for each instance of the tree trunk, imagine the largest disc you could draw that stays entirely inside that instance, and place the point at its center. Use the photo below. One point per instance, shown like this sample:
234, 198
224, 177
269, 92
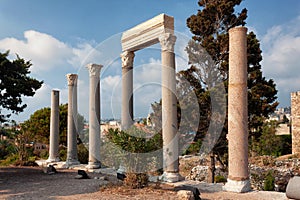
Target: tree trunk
211, 169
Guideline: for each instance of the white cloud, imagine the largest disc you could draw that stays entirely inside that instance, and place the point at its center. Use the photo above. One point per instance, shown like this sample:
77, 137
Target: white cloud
52, 59
281, 51
43, 50
43, 95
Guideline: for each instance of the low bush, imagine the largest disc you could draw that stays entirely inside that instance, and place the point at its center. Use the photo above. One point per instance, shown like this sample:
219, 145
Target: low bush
269, 182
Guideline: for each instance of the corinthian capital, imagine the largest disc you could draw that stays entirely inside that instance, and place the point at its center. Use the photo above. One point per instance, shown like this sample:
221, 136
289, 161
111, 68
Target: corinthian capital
127, 59
72, 79
94, 69
167, 42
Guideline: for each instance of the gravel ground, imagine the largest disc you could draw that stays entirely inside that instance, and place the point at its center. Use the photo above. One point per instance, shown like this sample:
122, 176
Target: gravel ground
32, 183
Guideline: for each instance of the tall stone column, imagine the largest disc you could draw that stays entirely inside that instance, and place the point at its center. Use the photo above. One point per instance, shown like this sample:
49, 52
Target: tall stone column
54, 127
169, 109
295, 113
127, 90
72, 157
94, 116
238, 175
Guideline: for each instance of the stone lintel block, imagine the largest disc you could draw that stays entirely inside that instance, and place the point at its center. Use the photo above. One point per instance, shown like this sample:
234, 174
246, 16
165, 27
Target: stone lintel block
237, 186
147, 33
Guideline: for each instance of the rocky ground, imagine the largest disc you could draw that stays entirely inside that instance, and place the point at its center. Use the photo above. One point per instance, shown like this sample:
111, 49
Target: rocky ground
281, 168
31, 183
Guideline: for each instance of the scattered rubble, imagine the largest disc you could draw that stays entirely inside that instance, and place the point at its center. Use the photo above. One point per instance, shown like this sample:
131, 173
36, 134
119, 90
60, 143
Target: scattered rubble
282, 171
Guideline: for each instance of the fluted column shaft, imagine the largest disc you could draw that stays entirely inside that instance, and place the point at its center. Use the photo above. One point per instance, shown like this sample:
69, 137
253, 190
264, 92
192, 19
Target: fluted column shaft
54, 127
72, 157
94, 116
127, 90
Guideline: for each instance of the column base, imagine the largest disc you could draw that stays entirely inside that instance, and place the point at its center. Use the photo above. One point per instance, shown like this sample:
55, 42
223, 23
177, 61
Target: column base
72, 162
121, 170
49, 160
171, 177
93, 165
237, 186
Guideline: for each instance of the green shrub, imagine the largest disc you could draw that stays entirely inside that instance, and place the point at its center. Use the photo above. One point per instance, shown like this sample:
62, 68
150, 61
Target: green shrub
269, 143
133, 143
63, 154
83, 154
44, 154
193, 148
269, 182
9, 160
220, 179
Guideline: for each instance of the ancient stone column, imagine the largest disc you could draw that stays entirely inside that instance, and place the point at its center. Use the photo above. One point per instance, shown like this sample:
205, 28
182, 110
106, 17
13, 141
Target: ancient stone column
54, 128
127, 90
94, 116
238, 175
169, 109
72, 157
295, 113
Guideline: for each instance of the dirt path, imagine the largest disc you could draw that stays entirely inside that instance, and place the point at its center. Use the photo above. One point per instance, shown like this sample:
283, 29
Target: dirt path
31, 183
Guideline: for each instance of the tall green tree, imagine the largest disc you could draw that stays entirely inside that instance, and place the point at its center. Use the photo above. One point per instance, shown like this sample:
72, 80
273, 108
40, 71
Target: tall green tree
210, 27
39, 124
15, 82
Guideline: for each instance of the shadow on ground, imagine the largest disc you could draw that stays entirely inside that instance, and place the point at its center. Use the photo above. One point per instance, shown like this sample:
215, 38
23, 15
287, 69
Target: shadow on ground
31, 182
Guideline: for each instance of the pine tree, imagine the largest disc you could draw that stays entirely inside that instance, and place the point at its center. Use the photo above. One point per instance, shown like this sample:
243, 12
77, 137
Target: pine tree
15, 83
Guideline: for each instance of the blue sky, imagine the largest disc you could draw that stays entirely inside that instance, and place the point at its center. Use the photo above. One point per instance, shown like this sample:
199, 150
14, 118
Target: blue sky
60, 37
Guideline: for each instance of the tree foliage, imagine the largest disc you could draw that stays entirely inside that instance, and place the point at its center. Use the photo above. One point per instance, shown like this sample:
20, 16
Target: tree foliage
15, 82
39, 124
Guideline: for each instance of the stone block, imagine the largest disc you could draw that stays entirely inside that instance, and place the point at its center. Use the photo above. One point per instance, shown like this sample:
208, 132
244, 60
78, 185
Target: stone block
147, 33
293, 188
185, 195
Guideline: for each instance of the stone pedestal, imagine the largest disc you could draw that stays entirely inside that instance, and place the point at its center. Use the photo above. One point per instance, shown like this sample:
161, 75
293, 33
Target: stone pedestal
169, 109
238, 175
94, 116
127, 90
72, 157
54, 128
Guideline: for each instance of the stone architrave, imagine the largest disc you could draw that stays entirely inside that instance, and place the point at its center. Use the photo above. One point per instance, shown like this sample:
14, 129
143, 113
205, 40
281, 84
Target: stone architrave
94, 116
147, 33
169, 105
127, 89
72, 157
54, 128
159, 29
238, 175
295, 113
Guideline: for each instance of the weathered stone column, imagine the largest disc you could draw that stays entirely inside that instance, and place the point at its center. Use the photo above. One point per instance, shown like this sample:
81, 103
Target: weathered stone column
54, 128
295, 113
94, 116
127, 90
238, 175
169, 109
72, 157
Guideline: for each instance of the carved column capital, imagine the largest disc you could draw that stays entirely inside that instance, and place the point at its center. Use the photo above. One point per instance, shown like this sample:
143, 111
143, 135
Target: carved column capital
72, 79
167, 42
127, 59
94, 69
